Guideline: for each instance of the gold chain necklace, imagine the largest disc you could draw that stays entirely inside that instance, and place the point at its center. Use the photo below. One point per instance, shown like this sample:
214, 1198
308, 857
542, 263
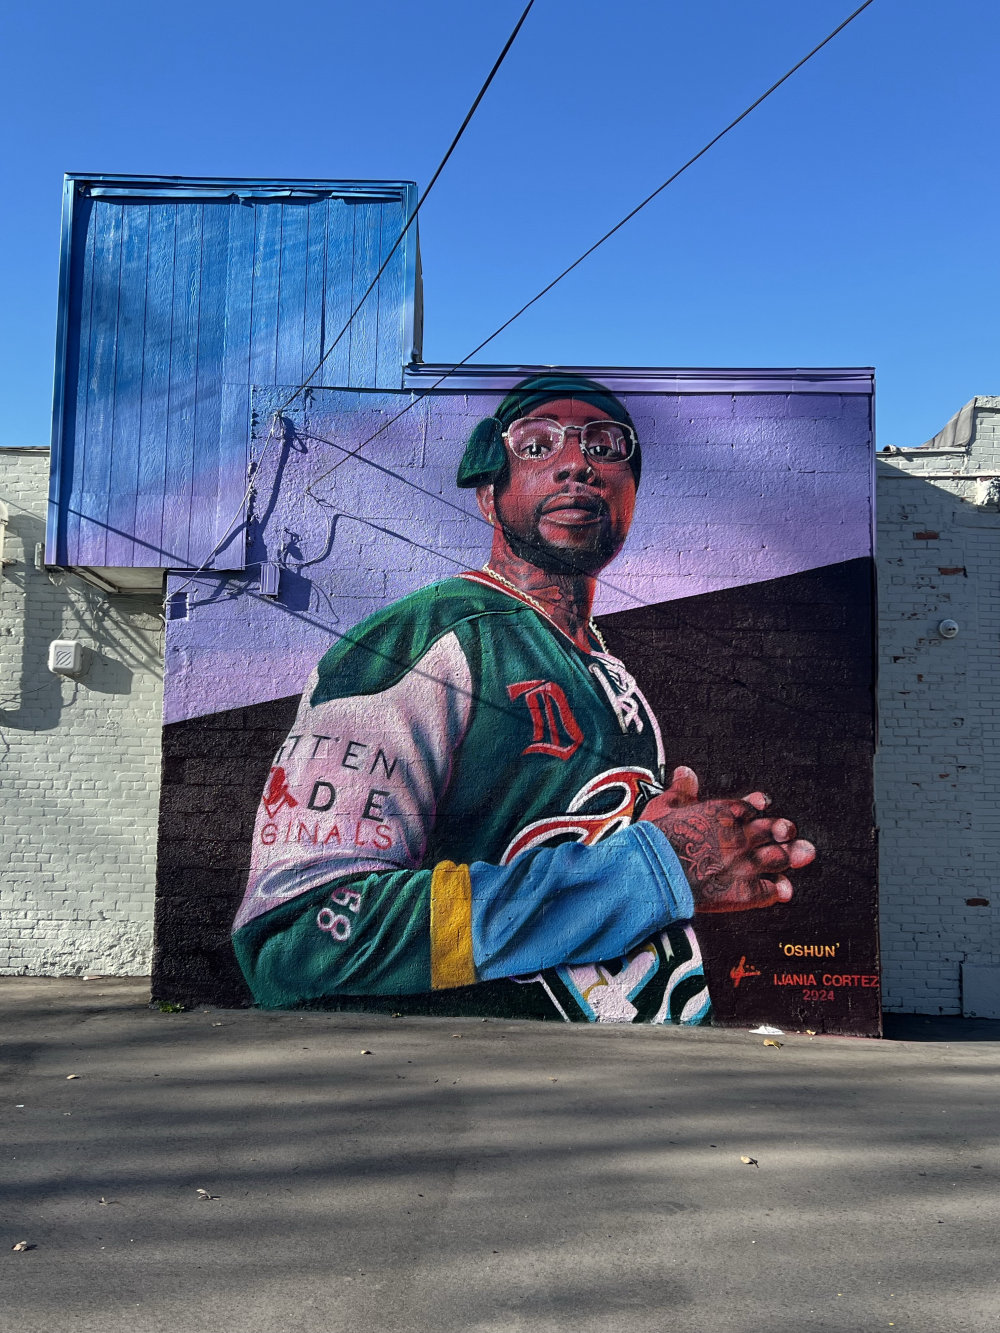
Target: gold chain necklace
488, 569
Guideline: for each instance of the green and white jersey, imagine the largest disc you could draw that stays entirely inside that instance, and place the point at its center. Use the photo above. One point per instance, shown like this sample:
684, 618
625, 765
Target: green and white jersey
454, 806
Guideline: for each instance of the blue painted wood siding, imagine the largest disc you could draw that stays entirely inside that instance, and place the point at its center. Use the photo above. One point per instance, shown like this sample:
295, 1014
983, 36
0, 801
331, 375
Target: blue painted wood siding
177, 298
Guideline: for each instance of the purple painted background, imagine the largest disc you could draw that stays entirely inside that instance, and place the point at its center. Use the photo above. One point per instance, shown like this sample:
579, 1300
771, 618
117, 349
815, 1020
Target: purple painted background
737, 488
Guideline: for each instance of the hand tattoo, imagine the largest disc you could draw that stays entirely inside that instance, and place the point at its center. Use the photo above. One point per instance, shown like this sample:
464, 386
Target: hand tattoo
710, 842
696, 843
734, 857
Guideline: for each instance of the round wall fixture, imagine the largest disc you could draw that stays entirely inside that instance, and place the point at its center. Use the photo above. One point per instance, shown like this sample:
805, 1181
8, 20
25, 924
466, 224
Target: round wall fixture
948, 629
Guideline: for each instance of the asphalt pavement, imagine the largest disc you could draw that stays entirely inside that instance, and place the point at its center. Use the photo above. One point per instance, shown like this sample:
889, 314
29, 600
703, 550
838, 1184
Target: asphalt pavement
227, 1170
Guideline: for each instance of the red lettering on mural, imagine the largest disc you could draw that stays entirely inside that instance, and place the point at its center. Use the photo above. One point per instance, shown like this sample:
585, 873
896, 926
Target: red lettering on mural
741, 971
276, 793
297, 831
555, 730
381, 838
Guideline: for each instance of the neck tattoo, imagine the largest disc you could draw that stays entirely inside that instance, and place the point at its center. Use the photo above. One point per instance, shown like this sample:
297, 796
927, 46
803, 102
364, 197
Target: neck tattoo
488, 569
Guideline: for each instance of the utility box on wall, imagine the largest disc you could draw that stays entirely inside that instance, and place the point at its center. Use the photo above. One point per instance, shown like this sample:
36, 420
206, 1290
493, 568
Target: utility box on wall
391, 778
66, 657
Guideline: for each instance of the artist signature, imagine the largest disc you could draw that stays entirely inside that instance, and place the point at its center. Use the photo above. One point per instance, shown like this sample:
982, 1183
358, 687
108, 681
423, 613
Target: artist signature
741, 970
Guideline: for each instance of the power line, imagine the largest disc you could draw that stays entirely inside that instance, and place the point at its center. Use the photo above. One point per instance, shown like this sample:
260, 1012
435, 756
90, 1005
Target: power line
351, 453
276, 415
598, 243
420, 203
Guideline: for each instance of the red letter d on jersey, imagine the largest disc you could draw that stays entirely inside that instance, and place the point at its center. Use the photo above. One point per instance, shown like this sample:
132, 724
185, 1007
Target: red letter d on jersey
551, 718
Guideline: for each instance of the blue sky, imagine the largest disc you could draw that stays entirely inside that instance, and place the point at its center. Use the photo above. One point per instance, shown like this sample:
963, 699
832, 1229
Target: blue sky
851, 220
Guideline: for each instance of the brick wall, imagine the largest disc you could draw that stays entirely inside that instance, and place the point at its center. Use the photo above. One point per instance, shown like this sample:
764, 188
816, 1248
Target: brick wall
938, 770
81, 758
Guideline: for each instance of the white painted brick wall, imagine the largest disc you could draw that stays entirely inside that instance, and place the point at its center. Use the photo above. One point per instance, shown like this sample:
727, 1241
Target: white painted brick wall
80, 760
938, 769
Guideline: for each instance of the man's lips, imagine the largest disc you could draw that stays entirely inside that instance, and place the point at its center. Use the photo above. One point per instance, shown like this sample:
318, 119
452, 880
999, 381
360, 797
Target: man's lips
574, 508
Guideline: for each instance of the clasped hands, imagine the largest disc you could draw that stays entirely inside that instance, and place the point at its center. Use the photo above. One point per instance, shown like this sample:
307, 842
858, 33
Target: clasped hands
734, 855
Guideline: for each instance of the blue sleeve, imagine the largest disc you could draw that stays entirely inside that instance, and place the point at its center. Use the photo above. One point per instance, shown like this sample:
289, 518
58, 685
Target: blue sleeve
575, 904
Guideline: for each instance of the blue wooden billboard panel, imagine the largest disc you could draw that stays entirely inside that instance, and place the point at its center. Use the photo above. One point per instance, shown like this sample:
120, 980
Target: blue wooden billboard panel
392, 303
176, 299
289, 347
313, 309
99, 375
181, 317
264, 295
367, 257
151, 469
338, 289
116, 513
79, 288
209, 450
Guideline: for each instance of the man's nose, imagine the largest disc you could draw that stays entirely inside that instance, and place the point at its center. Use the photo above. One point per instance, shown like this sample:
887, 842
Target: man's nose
571, 461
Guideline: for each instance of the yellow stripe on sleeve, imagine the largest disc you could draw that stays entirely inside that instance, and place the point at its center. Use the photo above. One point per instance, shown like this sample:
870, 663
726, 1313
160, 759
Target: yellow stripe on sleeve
451, 927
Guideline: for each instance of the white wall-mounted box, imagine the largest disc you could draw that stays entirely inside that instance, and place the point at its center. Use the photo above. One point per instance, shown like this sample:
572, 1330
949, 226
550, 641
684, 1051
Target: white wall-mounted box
66, 657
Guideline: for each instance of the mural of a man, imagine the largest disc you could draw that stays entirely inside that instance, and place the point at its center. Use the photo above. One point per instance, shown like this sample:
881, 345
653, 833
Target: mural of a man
474, 790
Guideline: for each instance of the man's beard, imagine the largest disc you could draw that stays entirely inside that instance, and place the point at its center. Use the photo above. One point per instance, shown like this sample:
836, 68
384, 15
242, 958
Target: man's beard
535, 550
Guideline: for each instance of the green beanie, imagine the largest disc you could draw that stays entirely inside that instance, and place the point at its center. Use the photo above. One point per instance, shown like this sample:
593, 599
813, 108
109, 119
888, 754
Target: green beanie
485, 454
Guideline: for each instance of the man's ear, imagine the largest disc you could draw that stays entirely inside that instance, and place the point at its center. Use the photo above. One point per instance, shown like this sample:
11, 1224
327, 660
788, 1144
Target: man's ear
487, 506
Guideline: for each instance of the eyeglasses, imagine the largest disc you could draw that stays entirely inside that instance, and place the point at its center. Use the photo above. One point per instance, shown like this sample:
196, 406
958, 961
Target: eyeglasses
537, 439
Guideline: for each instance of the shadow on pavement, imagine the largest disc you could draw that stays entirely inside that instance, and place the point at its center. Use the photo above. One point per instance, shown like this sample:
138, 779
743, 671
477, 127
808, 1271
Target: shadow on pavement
938, 1027
219, 1170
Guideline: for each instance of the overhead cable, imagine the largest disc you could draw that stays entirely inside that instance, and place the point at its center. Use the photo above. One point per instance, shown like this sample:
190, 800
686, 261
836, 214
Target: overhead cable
598, 243
274, 432
419, 204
